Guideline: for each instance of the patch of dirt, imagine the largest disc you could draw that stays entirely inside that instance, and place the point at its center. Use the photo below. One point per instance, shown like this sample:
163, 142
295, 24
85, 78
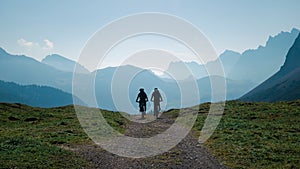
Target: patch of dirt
187, 154
11, 118
30, 119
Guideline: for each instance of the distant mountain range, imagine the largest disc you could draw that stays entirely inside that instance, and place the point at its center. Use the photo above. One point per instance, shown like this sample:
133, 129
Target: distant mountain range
242, 73
26, 71
252, 66
283, 85
63, 64
259, 64
33, 95
227, 58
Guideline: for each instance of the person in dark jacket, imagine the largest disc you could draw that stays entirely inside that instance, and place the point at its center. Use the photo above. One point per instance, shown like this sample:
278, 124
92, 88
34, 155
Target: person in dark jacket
142, 99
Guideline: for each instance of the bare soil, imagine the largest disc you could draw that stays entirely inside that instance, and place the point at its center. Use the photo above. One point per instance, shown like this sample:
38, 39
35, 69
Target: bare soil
187, 154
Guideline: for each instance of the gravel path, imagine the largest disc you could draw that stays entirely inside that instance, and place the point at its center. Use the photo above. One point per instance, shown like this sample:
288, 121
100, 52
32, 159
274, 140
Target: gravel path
187, 154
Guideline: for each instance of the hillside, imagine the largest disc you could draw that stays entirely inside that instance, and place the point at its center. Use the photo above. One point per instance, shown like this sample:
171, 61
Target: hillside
257, 65
283, 85
63, 64
239, 67
250, 135
25, 70
256, 135
34, 137
33, 95
57, 71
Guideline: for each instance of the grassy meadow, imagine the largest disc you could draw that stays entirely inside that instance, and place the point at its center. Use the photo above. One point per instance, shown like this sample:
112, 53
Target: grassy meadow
32, 137
256, 135
250, 135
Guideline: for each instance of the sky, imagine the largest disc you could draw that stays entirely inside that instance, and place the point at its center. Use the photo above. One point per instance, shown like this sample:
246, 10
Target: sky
39, 28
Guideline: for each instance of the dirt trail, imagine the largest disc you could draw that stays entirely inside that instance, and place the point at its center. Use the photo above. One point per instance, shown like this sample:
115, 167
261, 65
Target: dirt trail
187, 154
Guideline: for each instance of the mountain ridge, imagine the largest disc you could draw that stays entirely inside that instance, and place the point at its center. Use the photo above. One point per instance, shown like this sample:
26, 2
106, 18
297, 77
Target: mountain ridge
284, 85
64, 64
26, 71
34, 95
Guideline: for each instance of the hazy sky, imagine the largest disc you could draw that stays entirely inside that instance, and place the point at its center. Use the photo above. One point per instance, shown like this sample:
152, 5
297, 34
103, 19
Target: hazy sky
38, 28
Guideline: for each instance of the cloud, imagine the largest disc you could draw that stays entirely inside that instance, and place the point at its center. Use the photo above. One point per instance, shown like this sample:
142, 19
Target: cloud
37, 50
48, 44
25, 43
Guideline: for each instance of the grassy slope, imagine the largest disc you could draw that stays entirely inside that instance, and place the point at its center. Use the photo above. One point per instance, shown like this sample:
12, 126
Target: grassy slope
30, 137
256, 135
250, 135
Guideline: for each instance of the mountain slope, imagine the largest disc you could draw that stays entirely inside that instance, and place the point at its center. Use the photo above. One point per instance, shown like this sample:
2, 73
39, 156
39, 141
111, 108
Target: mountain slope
26, 71
57, 71
259, 64
184, 69
63, 64
239, 67
43, 138
33, 95
247, 70
285, 84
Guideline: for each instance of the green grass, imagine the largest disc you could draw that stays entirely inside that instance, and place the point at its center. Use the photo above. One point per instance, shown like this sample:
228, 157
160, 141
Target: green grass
24, 152
32, 137
250, 135
256, 135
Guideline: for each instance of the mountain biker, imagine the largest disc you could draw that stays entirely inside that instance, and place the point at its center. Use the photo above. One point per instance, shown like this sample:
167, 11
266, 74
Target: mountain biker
156, 98
142, 99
